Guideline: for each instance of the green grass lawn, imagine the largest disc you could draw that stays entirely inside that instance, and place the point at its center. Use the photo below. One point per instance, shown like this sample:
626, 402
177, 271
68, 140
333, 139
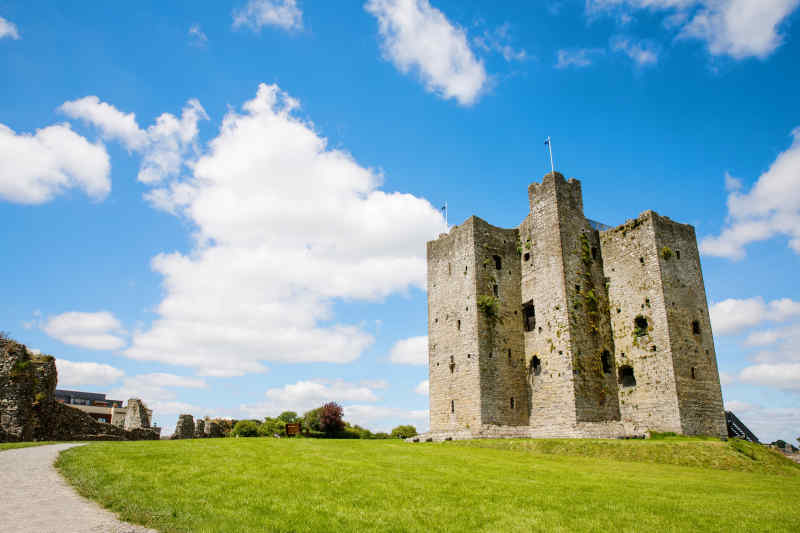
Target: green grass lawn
13, 445
234, 485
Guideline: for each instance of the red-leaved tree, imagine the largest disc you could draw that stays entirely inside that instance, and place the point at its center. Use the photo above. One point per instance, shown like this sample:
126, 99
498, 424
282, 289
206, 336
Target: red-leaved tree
330, 419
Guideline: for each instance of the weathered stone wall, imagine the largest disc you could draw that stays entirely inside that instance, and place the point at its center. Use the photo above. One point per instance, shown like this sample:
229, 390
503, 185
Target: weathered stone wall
689, 328
136, 415
16, 391
453, 366
28, 410
589, 330
595, 334
118, 415
501, 358
632, 266
184, 429
547, 341
200, 429
213, 430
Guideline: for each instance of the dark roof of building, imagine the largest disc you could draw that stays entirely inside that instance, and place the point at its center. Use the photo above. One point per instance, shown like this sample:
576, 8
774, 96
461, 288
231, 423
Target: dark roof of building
737, 429
82, 395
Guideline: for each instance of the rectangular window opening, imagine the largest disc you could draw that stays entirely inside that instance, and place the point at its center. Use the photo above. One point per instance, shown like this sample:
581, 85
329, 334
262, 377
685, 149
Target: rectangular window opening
529, 316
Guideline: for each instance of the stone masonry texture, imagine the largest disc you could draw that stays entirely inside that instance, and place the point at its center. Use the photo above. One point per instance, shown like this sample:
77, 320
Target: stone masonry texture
184, 429
29, 411
558, 329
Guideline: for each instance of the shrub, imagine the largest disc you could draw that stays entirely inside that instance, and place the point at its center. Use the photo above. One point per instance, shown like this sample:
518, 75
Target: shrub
226, 425
245, 428
381, 435
331, 418
363, 433
271, 427
404, 432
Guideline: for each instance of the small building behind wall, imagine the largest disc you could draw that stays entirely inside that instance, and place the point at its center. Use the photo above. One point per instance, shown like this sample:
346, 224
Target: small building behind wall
99, 407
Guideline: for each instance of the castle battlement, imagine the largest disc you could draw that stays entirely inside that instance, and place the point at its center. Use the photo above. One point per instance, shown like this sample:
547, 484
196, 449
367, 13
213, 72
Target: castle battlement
555, 328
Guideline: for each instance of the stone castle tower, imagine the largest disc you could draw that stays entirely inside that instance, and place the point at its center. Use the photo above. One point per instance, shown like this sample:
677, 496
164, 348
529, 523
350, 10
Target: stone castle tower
563, 327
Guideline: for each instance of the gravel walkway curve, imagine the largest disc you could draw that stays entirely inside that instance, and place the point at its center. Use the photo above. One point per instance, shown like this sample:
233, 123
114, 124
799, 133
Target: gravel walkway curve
36, 499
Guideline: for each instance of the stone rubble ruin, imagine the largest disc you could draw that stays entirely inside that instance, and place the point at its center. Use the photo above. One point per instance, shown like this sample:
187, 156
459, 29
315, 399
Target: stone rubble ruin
184, 429
29, 411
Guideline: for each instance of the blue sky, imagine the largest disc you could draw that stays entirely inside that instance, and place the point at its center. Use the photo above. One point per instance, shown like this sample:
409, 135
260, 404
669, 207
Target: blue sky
223, 207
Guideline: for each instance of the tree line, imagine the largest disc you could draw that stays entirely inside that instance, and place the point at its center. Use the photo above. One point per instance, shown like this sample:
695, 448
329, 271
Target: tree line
326, 421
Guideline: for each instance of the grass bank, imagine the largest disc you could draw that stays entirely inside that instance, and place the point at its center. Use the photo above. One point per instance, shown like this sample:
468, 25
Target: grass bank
14, 445
237, 485
734, 454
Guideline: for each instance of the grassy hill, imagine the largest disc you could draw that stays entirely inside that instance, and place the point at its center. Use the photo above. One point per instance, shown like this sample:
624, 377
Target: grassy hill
233, 485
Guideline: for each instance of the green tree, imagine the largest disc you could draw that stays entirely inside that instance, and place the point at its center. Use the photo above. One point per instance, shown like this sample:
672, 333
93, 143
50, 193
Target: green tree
311, 419
404, 432
289, 417
245, 428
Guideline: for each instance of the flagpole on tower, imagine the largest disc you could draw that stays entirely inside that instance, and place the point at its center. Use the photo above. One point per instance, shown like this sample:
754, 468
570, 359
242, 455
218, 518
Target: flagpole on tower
445, 214
549, 144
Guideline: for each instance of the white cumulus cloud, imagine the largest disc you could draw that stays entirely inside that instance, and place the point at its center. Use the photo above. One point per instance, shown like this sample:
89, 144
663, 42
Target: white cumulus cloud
779, 376
95, 331
733, 28
8, 29
156, 391
417, 36
740, 28
310, 394
164, 146
259, 13
36, 168
734, 315
411, 351
770, 208
79, 374
423, 388
114, 124
284, 227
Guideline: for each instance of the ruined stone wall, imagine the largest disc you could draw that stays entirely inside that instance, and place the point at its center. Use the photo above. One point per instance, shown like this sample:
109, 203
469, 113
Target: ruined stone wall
213, 429
184, 429
689, 327
505, 398
16, 392
136, 415
118, 416
632, 266
29, 411
453, 367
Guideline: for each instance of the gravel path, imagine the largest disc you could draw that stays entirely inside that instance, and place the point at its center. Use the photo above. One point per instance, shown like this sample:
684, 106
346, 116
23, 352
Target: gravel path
34, 498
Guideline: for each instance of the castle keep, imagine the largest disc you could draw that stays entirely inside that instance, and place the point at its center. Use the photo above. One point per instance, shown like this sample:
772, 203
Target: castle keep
563, 327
